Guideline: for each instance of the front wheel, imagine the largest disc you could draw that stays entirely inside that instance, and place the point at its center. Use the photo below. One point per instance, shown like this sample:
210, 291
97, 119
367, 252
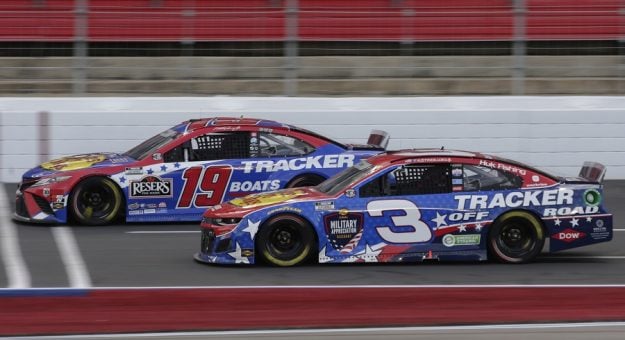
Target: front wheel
516, 237
95, 201
285, 240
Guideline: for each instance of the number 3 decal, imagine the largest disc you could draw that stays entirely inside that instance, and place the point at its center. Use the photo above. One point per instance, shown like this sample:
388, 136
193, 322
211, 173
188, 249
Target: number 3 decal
420, 231
213, 186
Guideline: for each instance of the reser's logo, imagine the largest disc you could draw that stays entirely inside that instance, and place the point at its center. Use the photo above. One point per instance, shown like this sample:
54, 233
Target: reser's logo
568, 235
151, 186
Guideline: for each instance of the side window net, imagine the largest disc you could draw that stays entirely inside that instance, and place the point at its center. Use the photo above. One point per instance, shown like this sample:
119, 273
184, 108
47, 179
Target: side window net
426, 179
410, 180
220, 146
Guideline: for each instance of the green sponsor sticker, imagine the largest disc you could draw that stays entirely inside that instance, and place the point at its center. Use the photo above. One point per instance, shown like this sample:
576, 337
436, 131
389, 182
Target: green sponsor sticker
461, 240
592, 197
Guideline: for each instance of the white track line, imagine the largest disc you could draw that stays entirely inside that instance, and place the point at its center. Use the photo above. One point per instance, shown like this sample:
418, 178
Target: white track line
75, 267
164, 232
18, 275
322, 331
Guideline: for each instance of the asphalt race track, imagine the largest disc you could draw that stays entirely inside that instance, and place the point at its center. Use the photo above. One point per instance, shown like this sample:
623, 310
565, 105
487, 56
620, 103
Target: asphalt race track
160, 255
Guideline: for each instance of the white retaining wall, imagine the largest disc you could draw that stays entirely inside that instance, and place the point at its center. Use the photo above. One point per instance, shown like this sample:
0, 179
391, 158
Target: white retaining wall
555, 133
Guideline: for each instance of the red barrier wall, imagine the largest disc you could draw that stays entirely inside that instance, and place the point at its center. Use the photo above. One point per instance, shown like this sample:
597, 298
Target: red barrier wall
319, 20
151, 310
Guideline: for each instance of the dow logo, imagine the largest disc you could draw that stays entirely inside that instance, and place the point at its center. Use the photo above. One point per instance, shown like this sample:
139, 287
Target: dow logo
568, 235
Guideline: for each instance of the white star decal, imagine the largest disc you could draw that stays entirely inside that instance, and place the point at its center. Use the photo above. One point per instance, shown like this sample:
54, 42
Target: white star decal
252, 228
574, 222
478, 227
557, 221
462, 228
588, 219
323, 256
238, 258
371, 254
440, 220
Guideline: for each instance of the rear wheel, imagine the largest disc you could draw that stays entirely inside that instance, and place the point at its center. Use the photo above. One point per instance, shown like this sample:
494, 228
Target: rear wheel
305, 181
285, 240
96, 201
516, 237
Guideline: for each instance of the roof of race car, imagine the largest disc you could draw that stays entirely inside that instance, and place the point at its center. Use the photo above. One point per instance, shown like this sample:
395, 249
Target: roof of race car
195, 124
394, 156
232, 122
440, 155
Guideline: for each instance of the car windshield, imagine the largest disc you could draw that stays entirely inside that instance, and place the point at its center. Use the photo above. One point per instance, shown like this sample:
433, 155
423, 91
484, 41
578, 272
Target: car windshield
149, 146
345, 178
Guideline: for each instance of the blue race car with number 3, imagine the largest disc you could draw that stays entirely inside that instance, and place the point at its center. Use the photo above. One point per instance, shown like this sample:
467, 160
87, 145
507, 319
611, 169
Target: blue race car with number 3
413, 205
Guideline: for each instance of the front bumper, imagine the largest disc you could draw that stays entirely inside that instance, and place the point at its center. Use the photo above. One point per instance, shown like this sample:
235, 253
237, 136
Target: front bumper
33, 208
223, 249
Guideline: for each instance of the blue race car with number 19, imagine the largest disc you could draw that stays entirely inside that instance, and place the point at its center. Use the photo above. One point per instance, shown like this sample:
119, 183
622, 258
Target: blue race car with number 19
177, 174
413, 205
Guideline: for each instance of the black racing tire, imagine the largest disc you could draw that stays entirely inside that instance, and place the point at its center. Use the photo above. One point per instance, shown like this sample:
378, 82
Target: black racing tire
96, 201
308, 180
516, 237
285, 241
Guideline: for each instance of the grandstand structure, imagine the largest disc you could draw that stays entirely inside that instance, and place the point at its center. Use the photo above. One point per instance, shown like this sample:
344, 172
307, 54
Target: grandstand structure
311, 47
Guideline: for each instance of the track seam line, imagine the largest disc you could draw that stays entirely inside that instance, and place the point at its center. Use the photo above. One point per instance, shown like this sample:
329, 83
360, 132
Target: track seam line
75, 267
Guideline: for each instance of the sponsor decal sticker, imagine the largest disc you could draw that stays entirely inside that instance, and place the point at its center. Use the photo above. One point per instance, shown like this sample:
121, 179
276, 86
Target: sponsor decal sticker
456, 181
162, 205
149, 211
73, 162
568, 235
133, 206
350, 193
592, 197
450, 240
313, 162
246, 186
324, 205
504, 167
258, 200
135, 212
343, 229
57, 205
516, 199
150, 187
134, 171
284, 209
456, 170
565, 211
46, 192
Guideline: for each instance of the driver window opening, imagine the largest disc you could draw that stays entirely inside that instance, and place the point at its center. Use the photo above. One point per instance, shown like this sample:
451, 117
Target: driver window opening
410, 180
274, 145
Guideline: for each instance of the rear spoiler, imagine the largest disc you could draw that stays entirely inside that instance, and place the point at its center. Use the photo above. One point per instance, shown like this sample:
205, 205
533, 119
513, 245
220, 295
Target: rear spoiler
378, 138
592, 172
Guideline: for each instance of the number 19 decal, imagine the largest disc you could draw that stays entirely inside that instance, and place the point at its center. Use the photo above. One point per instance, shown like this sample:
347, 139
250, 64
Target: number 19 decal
212, 187
420, 231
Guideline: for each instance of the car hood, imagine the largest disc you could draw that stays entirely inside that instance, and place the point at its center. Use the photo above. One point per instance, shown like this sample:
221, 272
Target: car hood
77, 162
250, 203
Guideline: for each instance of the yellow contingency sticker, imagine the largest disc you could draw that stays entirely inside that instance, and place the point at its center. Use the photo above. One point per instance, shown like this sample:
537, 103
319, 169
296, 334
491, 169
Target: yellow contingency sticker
73, 162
